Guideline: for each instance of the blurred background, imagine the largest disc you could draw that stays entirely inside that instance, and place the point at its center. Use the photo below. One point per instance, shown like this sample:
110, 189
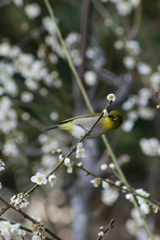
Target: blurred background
114, 45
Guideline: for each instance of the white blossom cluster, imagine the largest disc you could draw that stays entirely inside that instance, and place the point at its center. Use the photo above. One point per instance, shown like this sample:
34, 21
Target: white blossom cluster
48, 143
32, 10
79, 154
8, 230
8, 116
80, 151
135, 226
73, 42
143, 111
109, 194
10, 149
68, 163
150, 147
144, 207
40, 179
20, 200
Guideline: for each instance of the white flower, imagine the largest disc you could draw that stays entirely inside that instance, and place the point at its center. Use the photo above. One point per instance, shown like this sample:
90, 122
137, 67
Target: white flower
129, 62
8, 230
52, 179
38, 219
14, 229
145, 208
80, 151
25, 116
143, 68
43, 138
149, 146
39, 178
5, 49
49, 25
105, 184
72, 38
10, 149
67, 162
155, 80
5, 103
142, 192
133, 47
144, 93
101, 234
124, 8
118, 183
105, 113
96, 182
21, 232
124, 189
80, 164
10, 87
14, 52
146, 113
53, 58
118, 44
112, 166
129, 196
32, 10
26, 97
129, 103
2, 165
19, 3
90, 78
31, 83
54, 116
57, 83
155, 208
36, 238
48, 161
70, 169
109, 196
43, 91
134, 3
20, 200
111, 97
132, 115
103, 167
76, 57
128, 125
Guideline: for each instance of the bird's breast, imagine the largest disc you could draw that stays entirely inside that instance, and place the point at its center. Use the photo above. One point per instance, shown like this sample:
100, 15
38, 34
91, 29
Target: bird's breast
81, 126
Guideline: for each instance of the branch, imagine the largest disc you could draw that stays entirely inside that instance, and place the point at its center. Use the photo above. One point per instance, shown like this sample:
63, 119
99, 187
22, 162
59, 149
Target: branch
111, 225
28, 217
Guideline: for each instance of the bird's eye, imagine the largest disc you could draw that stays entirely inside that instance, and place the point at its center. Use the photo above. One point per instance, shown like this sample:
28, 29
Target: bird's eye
115, 118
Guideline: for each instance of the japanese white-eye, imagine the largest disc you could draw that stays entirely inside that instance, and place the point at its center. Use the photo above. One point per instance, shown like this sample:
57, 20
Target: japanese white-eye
78, 126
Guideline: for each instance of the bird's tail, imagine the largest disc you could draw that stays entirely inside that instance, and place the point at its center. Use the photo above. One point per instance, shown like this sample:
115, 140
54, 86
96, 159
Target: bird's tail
51, 127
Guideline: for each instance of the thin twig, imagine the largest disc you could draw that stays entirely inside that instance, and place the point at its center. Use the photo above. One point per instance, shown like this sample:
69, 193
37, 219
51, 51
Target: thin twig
111, 225
128, 190
28, 217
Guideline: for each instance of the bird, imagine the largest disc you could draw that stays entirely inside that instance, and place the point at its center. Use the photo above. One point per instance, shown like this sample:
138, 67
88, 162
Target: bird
78, 126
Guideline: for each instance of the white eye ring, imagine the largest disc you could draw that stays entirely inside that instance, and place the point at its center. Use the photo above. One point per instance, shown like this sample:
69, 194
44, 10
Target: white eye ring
115, 118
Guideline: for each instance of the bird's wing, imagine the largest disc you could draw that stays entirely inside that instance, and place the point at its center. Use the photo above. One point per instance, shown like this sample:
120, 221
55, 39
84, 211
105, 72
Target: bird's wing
82, 116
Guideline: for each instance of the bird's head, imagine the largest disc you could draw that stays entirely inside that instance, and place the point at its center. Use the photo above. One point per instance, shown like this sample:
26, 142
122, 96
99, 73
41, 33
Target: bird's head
115, 119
